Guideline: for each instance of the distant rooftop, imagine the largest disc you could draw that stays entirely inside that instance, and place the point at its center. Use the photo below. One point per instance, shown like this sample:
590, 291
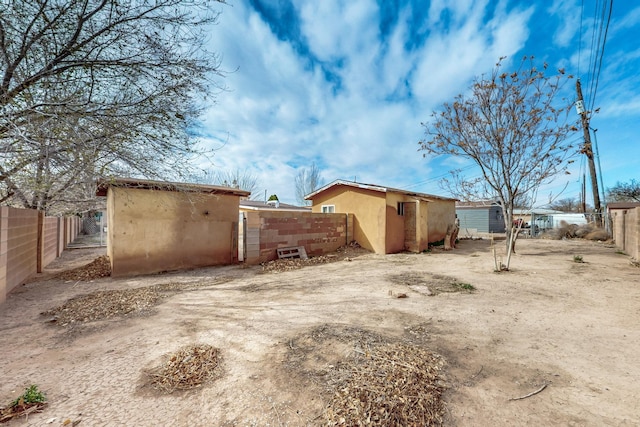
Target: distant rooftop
374, 187
273, 205
146, 184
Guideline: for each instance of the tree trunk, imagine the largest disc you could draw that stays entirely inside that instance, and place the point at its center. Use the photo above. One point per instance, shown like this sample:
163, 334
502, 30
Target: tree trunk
450, 238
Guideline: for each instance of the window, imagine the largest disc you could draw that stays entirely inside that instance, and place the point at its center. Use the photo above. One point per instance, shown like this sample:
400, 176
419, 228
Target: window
400, 208
328, 208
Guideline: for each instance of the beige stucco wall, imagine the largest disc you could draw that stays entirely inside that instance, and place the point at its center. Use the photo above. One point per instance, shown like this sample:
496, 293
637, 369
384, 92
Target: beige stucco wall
440, 214
369, 209
153, 230
626, 230
395, 232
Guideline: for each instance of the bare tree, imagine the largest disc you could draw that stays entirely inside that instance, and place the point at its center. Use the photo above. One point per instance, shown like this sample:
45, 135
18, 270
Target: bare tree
243, 179
624, 192
567, 205
307, 181
97, 88
513, 127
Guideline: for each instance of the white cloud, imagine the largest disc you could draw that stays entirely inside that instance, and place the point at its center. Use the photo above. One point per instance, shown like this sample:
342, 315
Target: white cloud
281, 113
569, 15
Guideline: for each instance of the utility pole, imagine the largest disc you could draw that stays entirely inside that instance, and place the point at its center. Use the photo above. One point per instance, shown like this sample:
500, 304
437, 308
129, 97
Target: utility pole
587, 149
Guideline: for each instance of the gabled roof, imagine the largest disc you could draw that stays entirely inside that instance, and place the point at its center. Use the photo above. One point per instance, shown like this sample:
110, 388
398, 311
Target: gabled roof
262, 206
146, 184
372, 187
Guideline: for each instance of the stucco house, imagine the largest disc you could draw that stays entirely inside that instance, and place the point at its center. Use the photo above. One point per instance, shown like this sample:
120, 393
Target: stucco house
387, 220
157, 226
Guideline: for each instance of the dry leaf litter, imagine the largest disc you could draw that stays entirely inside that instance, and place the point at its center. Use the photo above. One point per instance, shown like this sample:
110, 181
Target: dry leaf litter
393, 385
101, 305
187, 368
99, 267
344, 253
21, 410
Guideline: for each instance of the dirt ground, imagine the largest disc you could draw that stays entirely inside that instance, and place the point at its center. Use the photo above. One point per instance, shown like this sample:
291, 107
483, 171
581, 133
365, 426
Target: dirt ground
572, 326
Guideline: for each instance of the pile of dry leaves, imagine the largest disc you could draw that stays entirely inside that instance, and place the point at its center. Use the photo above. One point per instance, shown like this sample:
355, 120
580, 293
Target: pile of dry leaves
99, 267
185, 369
346, 253
102, 305
393, 384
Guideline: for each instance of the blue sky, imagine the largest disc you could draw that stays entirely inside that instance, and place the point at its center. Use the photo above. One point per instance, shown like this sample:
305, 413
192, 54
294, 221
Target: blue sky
346, 84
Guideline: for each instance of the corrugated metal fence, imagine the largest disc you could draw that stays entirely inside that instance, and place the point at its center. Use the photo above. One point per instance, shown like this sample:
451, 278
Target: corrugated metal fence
29, 241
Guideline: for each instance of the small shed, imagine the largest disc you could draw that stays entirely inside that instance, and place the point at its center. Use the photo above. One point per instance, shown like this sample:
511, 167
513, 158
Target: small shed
387, 220
159, 226
480, 216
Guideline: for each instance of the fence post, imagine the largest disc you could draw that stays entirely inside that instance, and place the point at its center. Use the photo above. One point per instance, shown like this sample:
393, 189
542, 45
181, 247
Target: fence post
40, 242
4, 226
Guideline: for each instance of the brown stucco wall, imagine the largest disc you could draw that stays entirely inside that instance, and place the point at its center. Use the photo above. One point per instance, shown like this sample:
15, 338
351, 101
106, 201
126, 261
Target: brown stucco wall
318, 233
155, 230
369, 209
626, 230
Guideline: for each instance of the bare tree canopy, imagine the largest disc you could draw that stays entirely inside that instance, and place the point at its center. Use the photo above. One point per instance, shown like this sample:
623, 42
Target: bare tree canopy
307, 181
624, 192
243, 179
513, 126
567, 205
97, 88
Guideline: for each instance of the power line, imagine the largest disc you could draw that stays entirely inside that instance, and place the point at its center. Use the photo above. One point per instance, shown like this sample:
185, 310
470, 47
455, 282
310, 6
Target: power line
596, 54
580, 36
604, 41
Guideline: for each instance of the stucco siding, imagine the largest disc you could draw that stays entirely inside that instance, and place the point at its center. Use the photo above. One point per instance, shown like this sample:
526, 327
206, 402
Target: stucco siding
369, 209
154, 230
395, 227
626, 230
441, 214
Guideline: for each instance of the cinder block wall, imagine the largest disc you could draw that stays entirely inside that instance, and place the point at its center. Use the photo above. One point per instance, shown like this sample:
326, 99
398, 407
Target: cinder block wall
29, 241
632, 232
49, 240
18, 247
318, 233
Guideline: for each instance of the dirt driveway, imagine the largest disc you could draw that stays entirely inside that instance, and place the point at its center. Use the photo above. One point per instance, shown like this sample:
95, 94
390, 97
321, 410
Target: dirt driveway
571, 326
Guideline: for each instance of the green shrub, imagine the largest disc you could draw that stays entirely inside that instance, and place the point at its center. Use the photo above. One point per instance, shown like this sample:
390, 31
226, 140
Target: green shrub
30, 396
